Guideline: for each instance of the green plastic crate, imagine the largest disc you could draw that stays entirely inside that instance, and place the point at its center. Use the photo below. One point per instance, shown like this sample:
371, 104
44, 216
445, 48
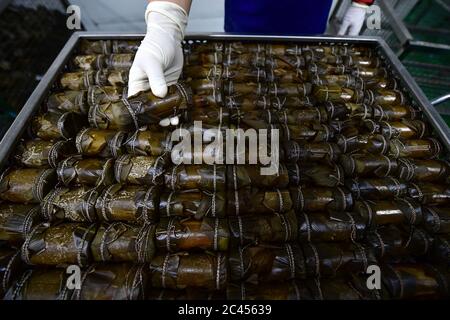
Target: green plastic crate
429, 22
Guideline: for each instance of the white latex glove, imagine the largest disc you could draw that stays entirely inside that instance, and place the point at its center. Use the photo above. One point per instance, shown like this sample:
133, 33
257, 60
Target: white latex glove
353, 20
159, 59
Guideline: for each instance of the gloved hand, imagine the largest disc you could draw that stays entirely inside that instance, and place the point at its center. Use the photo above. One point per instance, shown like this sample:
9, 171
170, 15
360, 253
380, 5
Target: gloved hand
353, 20
159, 59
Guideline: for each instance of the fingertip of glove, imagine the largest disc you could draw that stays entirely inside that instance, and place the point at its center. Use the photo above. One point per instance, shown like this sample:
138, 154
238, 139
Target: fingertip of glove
174, 121
131, 93
160, 91
165, 122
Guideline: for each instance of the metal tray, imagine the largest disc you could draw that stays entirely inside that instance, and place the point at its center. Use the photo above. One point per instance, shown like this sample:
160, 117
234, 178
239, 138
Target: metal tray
12, 136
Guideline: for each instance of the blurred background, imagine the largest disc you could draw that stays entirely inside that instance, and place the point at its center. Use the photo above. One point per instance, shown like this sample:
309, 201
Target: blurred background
32, 32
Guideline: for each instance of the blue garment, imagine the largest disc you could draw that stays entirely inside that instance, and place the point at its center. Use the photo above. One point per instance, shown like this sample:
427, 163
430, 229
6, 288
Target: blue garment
282, 17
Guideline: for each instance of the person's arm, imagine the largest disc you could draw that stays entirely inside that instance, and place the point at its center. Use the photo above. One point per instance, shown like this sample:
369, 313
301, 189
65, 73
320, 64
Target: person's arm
159, 59
185, 4
354, 18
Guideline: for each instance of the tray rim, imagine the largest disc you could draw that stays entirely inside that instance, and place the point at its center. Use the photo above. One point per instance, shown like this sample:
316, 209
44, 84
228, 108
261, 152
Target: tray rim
17, 128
